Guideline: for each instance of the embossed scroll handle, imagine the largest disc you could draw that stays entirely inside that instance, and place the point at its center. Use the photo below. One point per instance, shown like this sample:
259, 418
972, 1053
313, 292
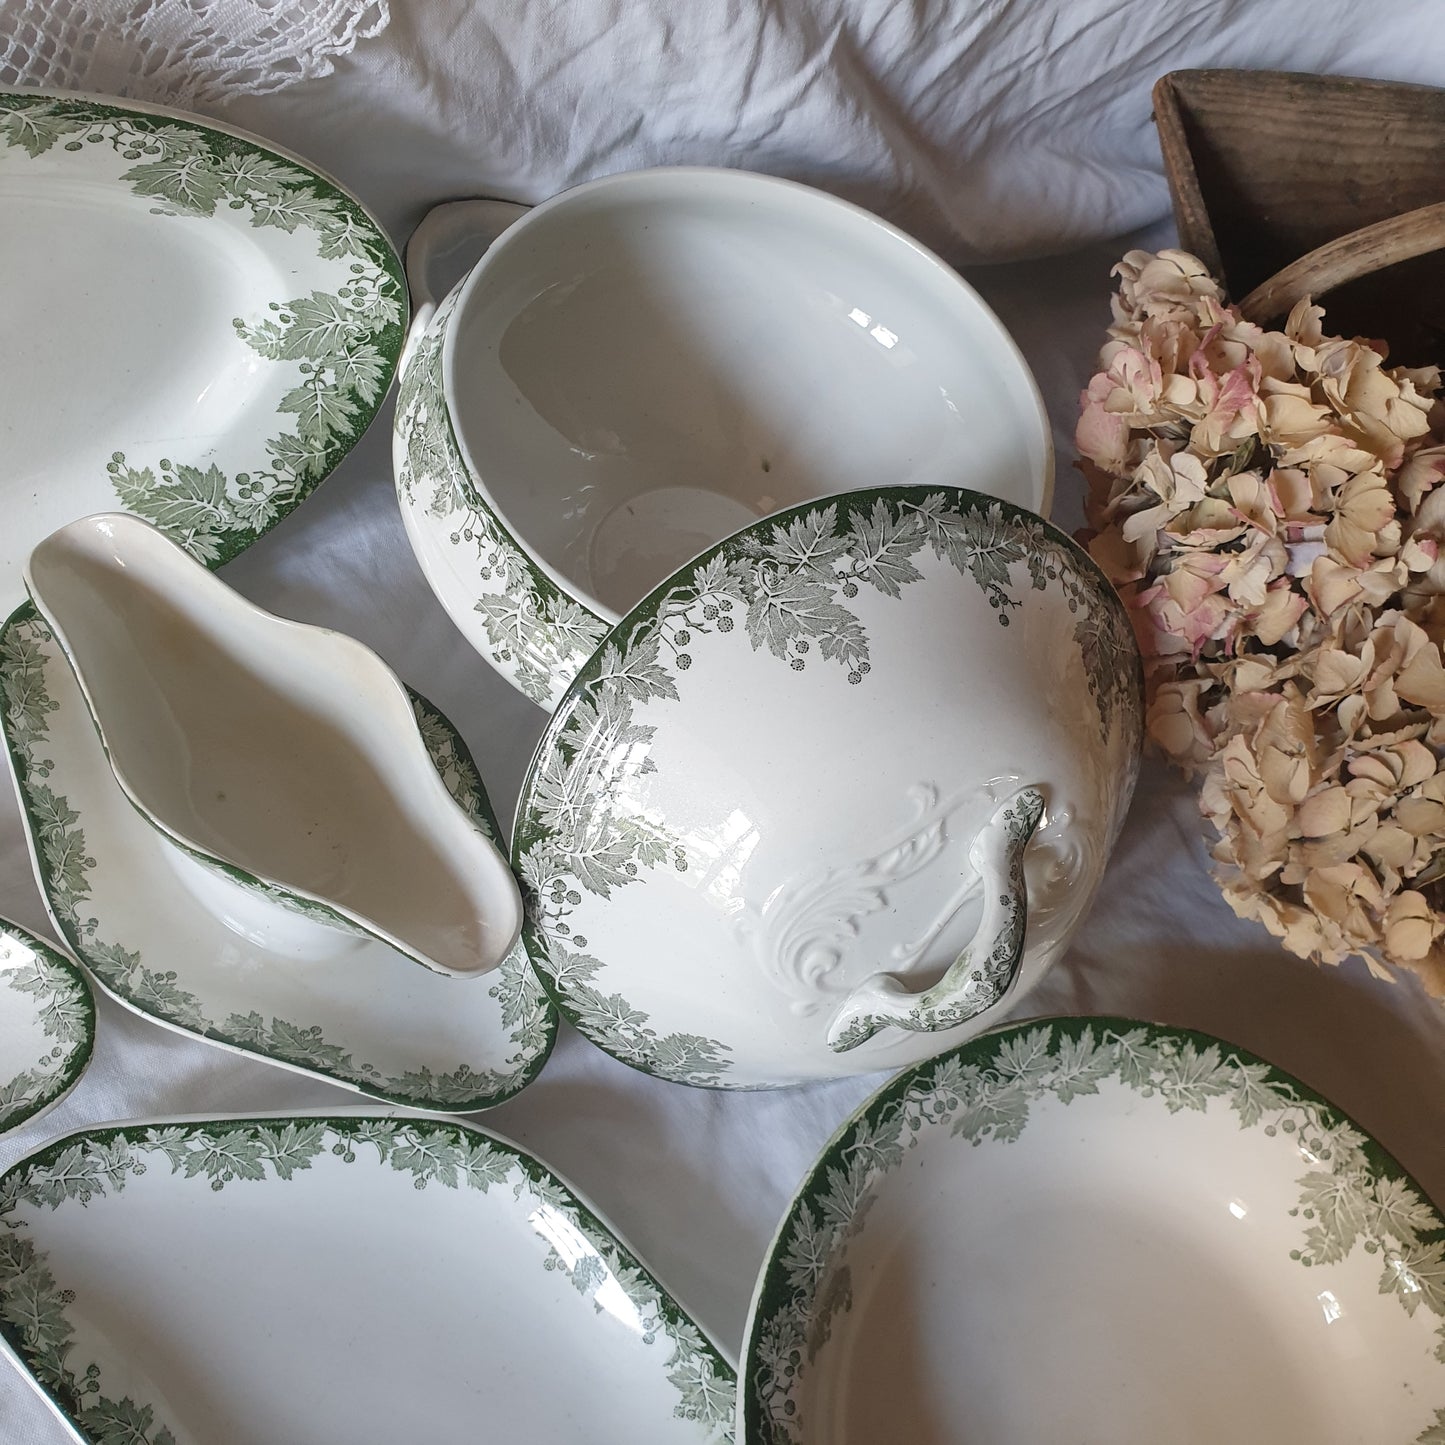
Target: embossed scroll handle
981, 974
451, 233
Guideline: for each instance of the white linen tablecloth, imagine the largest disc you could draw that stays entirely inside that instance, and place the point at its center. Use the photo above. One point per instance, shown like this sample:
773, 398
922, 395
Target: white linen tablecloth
697, 1181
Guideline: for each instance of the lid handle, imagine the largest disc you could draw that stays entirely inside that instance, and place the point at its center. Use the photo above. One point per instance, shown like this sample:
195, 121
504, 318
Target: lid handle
983, 971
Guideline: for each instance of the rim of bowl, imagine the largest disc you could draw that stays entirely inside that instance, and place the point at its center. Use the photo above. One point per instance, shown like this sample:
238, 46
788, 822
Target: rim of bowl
726, 175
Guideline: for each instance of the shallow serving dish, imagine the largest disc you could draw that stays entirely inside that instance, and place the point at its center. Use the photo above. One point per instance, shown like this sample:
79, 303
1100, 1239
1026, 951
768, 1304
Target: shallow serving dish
151, 927
641, 366
1100, 1230
311, 1280
47, 1025
834, 793
284, 757
199, 326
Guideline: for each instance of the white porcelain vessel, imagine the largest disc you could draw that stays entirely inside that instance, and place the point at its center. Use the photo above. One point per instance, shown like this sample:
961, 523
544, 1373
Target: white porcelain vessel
47, 1025
835, 793
312, 1280
285, 757
198, 326
1099, 1230
641, 366
182, 946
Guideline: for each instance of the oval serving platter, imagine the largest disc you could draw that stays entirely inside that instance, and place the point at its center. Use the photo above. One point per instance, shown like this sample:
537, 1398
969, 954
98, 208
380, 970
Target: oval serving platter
320, 1001
313, 1280
1100, 1230
208, 325
47, 1025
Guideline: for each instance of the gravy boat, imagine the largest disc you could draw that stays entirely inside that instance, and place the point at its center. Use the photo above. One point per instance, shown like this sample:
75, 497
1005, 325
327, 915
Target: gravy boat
284, 757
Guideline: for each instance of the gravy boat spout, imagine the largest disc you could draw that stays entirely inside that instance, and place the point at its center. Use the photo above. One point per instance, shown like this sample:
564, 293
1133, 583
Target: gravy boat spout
285, 757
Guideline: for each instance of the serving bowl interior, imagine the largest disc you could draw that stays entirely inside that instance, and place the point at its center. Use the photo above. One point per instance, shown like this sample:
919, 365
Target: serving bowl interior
284, 756
642, 366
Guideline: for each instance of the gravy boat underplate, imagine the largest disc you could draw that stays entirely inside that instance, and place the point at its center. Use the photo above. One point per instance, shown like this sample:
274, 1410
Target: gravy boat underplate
285, 757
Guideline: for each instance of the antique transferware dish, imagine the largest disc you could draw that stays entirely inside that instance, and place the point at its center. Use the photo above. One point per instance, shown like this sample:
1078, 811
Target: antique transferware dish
47, 1025
285, 757
314, 1280
160, 933
209, 325
1094, 1229
833, 792
642, 365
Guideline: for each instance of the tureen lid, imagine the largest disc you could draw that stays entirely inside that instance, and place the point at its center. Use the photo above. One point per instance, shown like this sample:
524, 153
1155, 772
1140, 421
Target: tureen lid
782, 824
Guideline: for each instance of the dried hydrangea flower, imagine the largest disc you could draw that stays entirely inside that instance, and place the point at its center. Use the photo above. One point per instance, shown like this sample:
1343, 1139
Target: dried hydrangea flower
1269, 505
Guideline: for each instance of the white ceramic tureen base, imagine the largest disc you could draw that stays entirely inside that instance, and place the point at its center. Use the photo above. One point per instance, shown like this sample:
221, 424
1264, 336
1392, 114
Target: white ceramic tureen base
1100, 1231
198, 327
237, 969
646, 363
47, 1025
308, 1281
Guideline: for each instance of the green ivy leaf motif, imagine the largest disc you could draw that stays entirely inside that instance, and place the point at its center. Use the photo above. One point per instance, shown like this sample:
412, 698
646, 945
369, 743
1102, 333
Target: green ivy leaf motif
190, 505
988, 1089
882, 544
35, 1308
1415, 1273
62, 1006
291, 209
1433, 1434
123, 1422
321, 412
534, 634
33, 128
187, 182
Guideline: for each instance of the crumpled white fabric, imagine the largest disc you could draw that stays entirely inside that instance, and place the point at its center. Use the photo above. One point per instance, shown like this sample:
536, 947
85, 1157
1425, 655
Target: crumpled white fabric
991, 129
179, 52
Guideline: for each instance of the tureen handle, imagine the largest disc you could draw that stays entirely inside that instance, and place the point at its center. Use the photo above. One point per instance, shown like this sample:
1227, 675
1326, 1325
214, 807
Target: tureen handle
982, 973
445, 229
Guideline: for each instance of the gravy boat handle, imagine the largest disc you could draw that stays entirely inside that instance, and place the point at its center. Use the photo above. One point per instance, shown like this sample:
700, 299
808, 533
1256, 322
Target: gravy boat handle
444, 230
983, 971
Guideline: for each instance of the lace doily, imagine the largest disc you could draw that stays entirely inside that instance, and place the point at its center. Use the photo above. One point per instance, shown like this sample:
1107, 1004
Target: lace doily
179, 52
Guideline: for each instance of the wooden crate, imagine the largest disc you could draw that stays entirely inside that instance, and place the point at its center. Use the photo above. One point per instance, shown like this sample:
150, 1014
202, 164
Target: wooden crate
1267, 166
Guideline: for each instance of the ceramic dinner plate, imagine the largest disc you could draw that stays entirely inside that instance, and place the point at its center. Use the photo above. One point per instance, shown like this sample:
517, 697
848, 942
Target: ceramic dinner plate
47, 1025
1103, 1232
256, 979
317, 1280
198, 326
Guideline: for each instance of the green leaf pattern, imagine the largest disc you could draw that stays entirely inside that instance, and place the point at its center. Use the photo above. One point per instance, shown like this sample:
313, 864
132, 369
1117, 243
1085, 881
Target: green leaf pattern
66, 1012
337, 347
1349, 1198
789, 587
59, 836
34, 1306
536, 634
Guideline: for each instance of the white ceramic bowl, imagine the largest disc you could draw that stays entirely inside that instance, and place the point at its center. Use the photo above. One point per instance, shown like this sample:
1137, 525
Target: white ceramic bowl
1099, 1230
642, 366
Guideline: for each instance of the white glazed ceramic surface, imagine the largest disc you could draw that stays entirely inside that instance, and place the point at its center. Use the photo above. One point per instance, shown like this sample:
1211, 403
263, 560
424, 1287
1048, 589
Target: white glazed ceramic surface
47, 1025
779, 829
643, 365
1097, 1230
178, 944
287, 757
318, 1280
198, 327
